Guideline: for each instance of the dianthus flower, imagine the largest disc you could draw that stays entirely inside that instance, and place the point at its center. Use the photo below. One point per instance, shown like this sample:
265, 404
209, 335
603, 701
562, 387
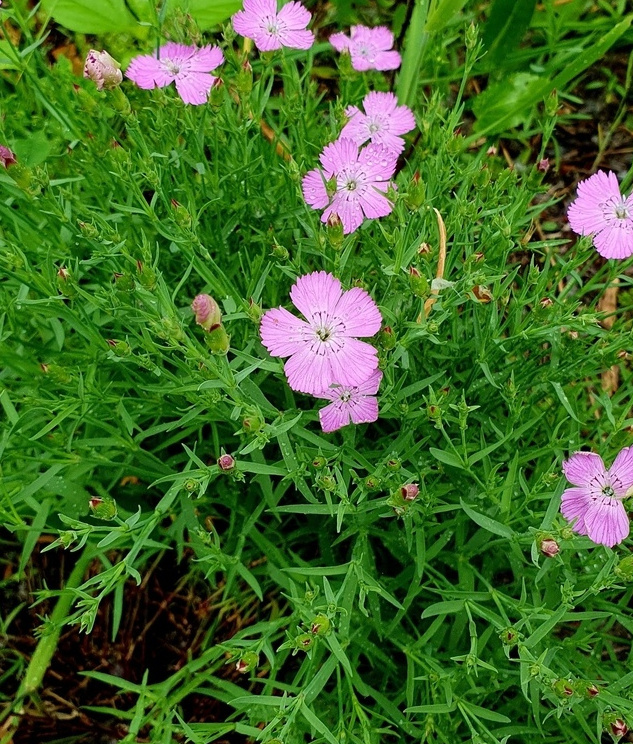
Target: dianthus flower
323, 349
600, 210
350, 404
595, 506
188, 66
361, 180
381, 123
369, 48
269, 29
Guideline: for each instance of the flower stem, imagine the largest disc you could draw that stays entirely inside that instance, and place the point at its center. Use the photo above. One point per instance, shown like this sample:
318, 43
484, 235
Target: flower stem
414, 46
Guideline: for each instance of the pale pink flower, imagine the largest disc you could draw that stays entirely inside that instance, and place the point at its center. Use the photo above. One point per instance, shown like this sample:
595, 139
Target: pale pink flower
381, 123
187, 66
595, 506
369, 48
350, 404
7, 157
207, 311
102, 69
359, 185
601, 211
324, 349
272, 30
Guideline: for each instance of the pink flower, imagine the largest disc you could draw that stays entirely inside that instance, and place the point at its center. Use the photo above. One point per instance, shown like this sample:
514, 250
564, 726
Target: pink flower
350, 404
361, 182
187, 66
595, 506
324, 349
370, 48
272, 30
7, 157
207, 311
381, 123
601, 211
102, 69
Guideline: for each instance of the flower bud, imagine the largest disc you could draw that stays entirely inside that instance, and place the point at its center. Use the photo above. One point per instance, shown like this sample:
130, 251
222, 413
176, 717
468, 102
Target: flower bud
551, 104
252, 424
304, 641
472, 35
543, 165
410, 491
103, 507
416, 193
320, 625
587, 689
326, 483
254, 311
509, 636
373, 482
244, 82
124, 282
418, 282
549, 547
216, 95
334, 230
103, 70
279, 251
182, 217
7, 157
207, 311
624, 569
618, 727
394, 464
319, 462
120, 348
563, 688
226, 463
146, 275
387, 338
218, 340
247, 662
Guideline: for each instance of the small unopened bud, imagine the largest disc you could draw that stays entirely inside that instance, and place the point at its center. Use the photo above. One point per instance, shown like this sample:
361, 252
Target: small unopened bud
624, 569
120, 348
549, 547
103, 70
244, 82
103, 507
424, 249
319, 462
279, 251
124, 282
7, 157
146, 275
543, 165
393, 464
226, 463
216, 95
492, 150
63, 273
410, 491
551, 104
207, 311
387, 338
88, 230
252, 424
618, 727
546, 302
509, 636
334, 230
326, 483
304, 641
254, 311
218, 340
472, 34
320, 625
588, 689
418, 282
373, 482
182, 217
247, 662
563, 688
416, 193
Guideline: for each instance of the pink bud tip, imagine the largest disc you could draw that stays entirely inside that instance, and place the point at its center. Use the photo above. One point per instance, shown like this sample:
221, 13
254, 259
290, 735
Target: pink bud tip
226, 462
7, 157
410, 491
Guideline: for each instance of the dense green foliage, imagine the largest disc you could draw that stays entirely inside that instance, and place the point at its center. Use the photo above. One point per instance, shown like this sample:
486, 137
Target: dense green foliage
377, 620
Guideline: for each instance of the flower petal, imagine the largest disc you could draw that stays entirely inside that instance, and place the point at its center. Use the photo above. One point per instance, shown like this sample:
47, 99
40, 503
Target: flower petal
353, 362
314, 189
337, 155
370, 387
575, 503
339, 41
194, 87
316, 295
282, 333
621, 472
615, 240
607, 522
334, 416
387, 61
348, 209
308, 372
148, 72
359, 313
363, 409
584, 469
206, 59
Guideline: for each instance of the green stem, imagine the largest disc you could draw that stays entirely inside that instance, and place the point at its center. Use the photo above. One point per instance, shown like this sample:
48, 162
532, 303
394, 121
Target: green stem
414, 46
46, 646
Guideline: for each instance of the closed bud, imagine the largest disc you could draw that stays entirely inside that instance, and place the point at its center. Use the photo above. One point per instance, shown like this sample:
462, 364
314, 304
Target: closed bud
88, 230
624, 569
543, 165
549, 547
190, 485
124, 282
418, 282
244, 82
7, 157
509, 637
216, 95
563, 688
146, 275
416, 193
279, 251
103, 70
326, 483
218, 340
319, 462
247, 662
252, 424
424, 249
103, 507
618, 727
546, 302
472, 35
206, 310
254, 311
304, 641
334, 228
226, 463
66, 283
320, 625
387, 338
394, 464
586, 688
120, 348
67, 538
551, 104
182, 217
373, 482
410, 491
